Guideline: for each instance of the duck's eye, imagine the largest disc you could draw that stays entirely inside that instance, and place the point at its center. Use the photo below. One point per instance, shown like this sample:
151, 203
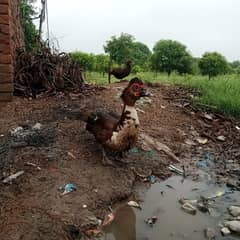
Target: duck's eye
135, 88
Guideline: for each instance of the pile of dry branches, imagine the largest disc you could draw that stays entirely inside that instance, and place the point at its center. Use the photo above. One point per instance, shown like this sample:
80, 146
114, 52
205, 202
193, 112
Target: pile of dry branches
44, 71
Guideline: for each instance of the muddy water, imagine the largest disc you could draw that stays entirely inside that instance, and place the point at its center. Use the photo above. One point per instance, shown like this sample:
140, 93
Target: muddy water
173, 223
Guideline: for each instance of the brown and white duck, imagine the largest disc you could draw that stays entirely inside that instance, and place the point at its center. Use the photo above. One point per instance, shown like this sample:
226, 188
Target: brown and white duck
114, 132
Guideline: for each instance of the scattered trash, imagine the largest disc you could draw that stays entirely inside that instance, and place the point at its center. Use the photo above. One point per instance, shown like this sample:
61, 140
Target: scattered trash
225, 231
189, 208
71, 155
13, 176
221, 138
210, 233
151, 221
84, 206
108, 219
37, 126
152, 179
16, 131
163, 107
187, 200
95, 190
69, 187
238, 128
202, 164
134, 204
202, 140
33, 165
233, 225
207, 161
234, 210
1, 135
219, 194
175, 169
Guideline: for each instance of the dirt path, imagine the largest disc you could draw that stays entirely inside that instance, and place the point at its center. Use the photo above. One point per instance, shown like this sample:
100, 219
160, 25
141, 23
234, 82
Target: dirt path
62, 151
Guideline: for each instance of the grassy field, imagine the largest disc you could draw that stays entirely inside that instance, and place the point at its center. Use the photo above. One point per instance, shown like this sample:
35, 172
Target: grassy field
223, 92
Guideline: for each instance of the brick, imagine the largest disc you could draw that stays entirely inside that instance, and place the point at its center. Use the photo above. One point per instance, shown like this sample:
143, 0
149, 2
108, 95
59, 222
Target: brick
4, 19
5, 58
6, 68
4, 28
4, 48
6, 97
6, 87
6, 77
5, 2
4, 10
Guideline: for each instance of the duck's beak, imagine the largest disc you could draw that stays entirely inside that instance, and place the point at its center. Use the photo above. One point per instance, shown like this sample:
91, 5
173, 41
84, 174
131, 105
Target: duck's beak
144, 93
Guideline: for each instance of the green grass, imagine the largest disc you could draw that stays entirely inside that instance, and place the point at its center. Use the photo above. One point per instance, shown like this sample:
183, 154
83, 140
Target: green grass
222, 92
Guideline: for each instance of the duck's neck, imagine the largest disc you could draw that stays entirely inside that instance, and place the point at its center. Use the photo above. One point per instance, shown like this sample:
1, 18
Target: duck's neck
129, 116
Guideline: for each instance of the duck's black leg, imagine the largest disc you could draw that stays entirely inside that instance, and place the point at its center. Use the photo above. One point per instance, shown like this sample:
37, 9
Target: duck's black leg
105, 160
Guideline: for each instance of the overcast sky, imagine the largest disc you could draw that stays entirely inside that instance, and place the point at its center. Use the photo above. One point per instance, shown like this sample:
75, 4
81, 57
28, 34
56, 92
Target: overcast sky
202, 25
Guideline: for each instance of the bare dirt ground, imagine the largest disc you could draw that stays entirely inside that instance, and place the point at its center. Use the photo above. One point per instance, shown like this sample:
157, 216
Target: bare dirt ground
62, 151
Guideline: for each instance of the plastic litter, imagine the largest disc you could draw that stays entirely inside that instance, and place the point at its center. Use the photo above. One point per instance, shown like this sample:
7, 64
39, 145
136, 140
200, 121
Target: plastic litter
189, 208
12, 177
151, 221
134, 204
69, 187
152, 179
175, 169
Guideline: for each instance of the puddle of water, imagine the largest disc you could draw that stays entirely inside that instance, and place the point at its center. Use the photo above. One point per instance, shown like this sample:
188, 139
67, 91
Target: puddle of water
173, 223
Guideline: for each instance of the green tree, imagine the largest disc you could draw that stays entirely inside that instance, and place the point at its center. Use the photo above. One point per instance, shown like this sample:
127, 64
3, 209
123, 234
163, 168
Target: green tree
169, 56
27, 13
140, 54
86, 60
102, 63
213, 64
120, 49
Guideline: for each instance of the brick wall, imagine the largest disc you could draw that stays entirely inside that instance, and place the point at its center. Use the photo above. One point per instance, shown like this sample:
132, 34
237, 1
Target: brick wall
11, 37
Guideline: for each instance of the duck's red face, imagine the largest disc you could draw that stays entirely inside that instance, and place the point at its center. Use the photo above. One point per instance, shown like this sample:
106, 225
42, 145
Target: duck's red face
136, 87
134, 91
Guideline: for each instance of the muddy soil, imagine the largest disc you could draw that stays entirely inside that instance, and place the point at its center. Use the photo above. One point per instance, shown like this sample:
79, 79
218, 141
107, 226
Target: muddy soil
62, 151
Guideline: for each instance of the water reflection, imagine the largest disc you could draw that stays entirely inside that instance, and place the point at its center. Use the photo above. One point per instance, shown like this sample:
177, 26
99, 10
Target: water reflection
123, 226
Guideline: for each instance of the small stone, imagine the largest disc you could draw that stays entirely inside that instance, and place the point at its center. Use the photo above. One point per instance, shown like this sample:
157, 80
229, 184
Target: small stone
233, 225
210, 233
225, 231
234, 210
37, 126
221, 138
